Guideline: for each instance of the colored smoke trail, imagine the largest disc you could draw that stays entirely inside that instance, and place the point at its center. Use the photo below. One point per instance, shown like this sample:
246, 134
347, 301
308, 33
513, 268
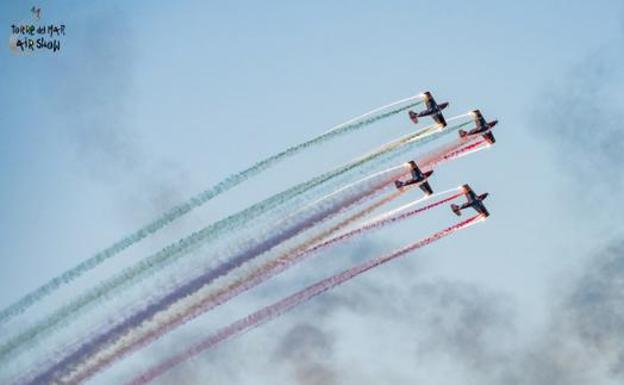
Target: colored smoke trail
384, 220
175, 251
467, 150
368, 118
204, 304
282, 232
393, 212
182, 316
260, 274
178, 211
429, 133
272, 311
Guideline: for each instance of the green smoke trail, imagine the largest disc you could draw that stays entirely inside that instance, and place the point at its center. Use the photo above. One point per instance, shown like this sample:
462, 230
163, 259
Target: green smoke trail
173, 252
232, 181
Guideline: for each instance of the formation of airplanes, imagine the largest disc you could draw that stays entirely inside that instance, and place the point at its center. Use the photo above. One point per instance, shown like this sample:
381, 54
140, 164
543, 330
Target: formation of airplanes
418, 177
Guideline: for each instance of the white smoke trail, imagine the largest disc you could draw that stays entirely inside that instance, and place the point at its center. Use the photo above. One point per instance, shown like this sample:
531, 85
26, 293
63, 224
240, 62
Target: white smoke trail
171, 253
272, 311
198, 304
184, 208
305, 218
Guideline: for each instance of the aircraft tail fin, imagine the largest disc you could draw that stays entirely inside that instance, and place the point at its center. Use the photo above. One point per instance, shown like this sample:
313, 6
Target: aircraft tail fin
462, 133
456, 209
398, 183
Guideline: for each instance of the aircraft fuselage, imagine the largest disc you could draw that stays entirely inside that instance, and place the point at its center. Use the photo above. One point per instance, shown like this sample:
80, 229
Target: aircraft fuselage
484, 128
434, 110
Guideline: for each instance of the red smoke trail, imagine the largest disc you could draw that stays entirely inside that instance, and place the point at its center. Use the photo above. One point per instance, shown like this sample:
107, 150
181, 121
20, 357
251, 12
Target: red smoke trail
210, 302
272, 311
206, 304
463, 151
83, 361
451, 151
263, 273
438, 156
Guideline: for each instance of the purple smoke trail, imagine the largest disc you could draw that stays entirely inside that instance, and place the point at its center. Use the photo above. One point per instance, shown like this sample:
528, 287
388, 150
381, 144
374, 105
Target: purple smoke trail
272, 311
91, 347
264, 272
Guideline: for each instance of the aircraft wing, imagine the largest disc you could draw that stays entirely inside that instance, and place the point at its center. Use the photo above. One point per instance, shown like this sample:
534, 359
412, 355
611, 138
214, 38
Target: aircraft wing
489, 137
416, 173
439, 118
429, 101
426, 187
482, 210
469, 193
480, 120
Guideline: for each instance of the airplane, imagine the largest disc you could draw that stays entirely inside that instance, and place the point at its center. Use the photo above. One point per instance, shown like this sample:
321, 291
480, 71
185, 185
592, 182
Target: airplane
475, 201
482, 127
433, 109
417, 177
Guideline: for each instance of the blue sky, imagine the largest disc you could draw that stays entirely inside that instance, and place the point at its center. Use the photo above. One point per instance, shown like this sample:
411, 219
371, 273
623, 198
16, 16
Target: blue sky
147, 104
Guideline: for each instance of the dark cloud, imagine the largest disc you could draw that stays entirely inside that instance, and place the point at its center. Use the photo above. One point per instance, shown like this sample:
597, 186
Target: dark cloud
458, 326
94, 94
582, 120
581, 344
594, 309
581, 117
463, 321
304, 342
95, 97
440, 320
308, 350
476, 329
